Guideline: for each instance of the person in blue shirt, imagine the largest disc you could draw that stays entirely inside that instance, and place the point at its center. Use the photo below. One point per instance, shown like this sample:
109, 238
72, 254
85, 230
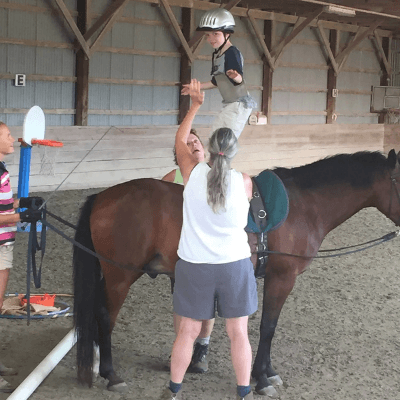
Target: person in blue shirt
227, 72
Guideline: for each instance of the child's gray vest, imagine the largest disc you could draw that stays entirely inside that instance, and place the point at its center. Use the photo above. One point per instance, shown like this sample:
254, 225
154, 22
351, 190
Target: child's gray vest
229, 92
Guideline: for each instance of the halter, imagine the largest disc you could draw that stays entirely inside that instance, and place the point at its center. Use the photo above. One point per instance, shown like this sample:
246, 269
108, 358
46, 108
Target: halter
394, 188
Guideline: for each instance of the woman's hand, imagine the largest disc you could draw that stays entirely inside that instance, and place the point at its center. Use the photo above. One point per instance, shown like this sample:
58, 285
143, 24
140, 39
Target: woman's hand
195, 92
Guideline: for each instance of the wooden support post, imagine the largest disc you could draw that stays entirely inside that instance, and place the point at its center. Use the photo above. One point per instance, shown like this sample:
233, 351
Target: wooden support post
385, 77
332, 79
186, 68
82, 68
267, 71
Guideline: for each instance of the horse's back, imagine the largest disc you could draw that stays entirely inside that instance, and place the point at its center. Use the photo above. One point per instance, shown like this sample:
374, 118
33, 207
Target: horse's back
133, 221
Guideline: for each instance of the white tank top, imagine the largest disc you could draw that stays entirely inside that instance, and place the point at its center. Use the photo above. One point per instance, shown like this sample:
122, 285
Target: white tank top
212, 238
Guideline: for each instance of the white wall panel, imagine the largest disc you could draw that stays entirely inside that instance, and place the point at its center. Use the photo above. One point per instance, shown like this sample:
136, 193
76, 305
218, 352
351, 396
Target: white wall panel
142, 97
20, 97
121, 97
121, 66
122, 35
166, 39
21, 25
143, 67
51, 27
99, 96
21, 59
100, 65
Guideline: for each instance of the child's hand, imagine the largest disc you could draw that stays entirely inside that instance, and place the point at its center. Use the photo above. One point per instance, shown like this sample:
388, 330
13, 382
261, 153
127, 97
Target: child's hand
195, 92
234, 75
185, 89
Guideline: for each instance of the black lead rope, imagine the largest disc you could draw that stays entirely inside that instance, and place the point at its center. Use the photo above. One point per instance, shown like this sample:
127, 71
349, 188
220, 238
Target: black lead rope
374, 242
33, 248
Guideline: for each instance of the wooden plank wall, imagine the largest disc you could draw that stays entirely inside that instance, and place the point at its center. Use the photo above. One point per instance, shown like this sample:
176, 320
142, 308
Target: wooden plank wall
392, 138
104, 156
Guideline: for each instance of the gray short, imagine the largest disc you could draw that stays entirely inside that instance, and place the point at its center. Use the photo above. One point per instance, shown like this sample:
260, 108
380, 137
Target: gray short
200, 289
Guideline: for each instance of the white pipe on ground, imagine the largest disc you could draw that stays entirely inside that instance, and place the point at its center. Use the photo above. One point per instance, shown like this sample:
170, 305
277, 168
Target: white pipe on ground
36, 377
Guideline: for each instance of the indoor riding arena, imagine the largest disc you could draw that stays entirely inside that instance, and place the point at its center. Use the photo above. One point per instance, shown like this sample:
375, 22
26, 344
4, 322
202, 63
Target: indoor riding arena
108, 76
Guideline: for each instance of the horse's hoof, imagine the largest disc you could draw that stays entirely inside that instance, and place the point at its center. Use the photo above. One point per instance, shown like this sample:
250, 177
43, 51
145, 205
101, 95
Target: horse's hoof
269, 391
118, 387
275, 380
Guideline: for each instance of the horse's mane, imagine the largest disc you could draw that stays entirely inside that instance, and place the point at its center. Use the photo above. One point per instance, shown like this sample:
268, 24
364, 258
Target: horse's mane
358, 169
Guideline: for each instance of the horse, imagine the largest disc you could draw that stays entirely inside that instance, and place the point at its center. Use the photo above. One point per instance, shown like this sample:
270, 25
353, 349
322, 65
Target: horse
135, 226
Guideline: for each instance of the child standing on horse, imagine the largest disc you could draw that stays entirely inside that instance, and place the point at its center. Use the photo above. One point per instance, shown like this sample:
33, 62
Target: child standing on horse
214, 270
227, 72
8, 221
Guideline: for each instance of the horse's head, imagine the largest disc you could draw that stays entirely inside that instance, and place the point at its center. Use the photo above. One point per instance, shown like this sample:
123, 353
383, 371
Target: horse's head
394, 202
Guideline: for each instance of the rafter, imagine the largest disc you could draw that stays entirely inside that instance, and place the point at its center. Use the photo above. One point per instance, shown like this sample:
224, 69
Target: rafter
277, 51
102, 19
177, 29
119, 7
387, 65
267, 54
74, 27
325, 40
358, 38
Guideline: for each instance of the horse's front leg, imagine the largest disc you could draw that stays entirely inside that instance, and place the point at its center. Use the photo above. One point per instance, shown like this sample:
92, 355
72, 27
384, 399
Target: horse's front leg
277, 286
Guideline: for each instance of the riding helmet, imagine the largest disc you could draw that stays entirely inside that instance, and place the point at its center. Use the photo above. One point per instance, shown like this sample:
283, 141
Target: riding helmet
217, 19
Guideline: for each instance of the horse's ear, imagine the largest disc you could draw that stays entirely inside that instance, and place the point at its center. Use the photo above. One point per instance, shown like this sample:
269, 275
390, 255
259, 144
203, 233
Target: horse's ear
392, 158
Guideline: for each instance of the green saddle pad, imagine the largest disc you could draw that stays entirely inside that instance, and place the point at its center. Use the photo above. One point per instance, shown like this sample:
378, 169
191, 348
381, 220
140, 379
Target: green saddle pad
275, 198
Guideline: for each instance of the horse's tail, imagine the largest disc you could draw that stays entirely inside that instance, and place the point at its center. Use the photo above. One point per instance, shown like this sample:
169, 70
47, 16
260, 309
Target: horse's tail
87, 272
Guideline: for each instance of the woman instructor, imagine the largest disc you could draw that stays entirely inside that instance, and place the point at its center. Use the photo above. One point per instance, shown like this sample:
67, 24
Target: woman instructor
214, 270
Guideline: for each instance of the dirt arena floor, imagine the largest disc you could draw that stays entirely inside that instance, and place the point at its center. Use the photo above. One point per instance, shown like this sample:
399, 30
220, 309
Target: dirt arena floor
337, 338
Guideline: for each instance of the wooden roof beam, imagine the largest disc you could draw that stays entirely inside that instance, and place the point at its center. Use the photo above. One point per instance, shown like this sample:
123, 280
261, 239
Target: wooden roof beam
177, 29
382, 54
118, 8
358, 38
357, 10
277, 51
267, 54
74, 27
108, 13
331, 56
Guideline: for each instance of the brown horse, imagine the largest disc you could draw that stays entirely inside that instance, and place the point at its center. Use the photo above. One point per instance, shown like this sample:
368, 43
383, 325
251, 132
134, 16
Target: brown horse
137, 225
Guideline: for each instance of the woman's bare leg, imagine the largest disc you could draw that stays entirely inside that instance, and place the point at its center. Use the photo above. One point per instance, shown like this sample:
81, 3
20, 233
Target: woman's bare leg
182, 349
240, 349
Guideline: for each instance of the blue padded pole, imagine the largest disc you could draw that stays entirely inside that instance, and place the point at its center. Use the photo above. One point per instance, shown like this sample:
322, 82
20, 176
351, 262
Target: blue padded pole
24, 170
23, 180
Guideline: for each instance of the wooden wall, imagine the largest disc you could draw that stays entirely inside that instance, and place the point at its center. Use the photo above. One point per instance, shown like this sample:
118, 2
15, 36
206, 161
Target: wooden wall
392, 138
104, 156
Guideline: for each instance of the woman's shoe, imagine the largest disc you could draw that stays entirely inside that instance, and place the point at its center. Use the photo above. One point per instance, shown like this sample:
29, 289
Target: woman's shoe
248, 396
168, 395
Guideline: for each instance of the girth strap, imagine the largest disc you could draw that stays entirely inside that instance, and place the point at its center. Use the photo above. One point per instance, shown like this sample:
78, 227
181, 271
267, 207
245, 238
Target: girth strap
260, 216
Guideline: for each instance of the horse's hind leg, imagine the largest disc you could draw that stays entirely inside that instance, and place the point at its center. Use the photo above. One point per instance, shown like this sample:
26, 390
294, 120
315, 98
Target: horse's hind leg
116, 289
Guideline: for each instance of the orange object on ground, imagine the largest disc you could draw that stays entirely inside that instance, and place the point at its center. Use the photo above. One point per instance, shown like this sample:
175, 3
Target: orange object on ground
45, 300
